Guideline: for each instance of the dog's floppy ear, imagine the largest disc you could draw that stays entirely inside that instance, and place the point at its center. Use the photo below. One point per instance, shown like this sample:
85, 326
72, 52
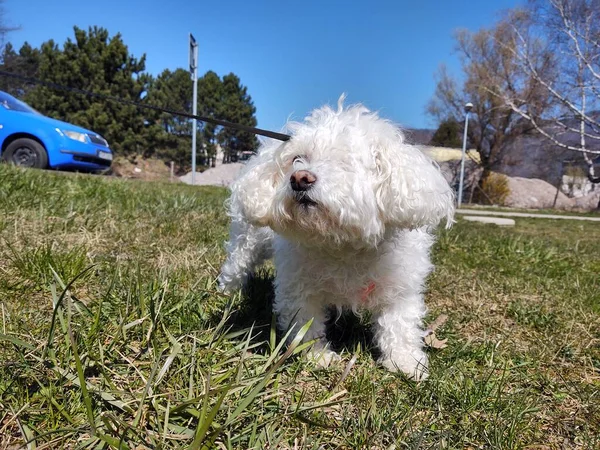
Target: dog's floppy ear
411, 190
253, 192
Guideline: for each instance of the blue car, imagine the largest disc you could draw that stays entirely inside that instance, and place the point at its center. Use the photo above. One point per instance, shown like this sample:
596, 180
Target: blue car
30, 139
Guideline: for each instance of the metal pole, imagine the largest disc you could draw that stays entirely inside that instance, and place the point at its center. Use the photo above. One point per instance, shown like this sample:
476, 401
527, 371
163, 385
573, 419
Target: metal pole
462, 161
194, 70
194, 122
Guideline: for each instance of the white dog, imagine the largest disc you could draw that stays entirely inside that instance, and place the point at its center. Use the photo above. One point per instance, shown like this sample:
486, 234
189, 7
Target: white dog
347, 208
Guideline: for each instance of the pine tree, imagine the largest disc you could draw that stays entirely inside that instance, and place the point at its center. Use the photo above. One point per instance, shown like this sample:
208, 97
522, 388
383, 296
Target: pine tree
447, 135
172, 140
5, 29
210, 89
96, 62
25, 63
236, 106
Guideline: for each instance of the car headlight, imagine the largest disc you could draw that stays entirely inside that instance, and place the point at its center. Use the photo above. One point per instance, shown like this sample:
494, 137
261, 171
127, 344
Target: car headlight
76, 136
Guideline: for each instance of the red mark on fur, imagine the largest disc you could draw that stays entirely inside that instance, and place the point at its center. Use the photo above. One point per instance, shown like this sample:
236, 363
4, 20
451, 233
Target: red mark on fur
364, 296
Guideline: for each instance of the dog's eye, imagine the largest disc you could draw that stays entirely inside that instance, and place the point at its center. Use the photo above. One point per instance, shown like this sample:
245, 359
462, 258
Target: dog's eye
299, 157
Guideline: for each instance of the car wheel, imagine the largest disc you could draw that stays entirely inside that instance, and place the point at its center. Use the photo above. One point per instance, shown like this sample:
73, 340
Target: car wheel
26, 153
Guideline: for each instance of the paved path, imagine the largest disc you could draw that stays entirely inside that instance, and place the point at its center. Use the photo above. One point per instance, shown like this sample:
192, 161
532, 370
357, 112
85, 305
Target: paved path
479, 212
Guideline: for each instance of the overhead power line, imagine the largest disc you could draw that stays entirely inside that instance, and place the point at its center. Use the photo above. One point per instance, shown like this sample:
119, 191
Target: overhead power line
223, 123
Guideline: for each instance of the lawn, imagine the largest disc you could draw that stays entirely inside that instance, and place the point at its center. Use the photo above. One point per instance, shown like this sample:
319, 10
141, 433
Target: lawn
113, 334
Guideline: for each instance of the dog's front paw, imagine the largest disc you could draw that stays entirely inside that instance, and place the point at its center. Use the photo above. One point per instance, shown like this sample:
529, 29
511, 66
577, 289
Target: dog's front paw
222, 286
322, 356
414, 366
228, 283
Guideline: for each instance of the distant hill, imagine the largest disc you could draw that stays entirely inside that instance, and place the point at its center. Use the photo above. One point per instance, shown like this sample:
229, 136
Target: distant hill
419, 136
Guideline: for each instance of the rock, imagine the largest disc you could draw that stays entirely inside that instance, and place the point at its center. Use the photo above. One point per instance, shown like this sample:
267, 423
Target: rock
531, 193
222, 175
578, 186
588, 202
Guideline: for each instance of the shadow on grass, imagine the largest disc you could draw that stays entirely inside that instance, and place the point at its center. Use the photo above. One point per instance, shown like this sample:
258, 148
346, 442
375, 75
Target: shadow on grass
345, 333
350, 332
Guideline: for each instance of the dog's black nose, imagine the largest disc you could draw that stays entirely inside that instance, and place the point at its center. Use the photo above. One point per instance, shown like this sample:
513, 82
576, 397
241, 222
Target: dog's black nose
302, 180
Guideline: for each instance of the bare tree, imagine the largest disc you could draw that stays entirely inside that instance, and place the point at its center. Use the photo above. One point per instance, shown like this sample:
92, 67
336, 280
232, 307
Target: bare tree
4, 28
569, 30
491, 74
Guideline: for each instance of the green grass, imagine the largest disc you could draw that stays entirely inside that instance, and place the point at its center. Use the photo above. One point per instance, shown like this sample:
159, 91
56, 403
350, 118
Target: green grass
112, 334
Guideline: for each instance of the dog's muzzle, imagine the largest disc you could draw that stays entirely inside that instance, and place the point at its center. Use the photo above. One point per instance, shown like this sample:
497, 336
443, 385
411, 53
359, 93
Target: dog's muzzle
302, 180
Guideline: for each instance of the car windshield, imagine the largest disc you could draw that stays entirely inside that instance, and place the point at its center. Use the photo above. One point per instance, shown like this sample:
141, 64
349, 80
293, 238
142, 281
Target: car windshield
9, 102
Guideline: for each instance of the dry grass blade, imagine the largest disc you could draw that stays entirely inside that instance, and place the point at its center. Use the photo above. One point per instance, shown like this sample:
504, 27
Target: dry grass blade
438, 322
82, 382
430, 339
206, 420
346, 371
58, 305
145, 393
28, 436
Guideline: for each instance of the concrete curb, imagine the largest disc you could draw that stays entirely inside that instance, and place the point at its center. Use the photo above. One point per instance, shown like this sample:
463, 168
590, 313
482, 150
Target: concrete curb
494, 220
476, 212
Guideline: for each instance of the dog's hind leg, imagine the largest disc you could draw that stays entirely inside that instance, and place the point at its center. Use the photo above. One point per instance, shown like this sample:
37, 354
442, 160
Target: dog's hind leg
248, 247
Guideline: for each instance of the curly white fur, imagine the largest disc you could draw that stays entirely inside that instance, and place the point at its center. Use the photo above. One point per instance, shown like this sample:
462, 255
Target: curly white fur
358, 238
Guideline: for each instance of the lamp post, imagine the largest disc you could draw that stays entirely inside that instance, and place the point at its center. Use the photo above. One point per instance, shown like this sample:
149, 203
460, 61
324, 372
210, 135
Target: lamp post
193, 59
468, 108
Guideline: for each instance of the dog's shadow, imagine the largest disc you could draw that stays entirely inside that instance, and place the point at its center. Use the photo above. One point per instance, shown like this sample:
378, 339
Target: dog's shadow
345, 333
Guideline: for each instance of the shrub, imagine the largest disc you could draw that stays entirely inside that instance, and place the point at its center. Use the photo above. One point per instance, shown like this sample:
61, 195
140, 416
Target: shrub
494, 189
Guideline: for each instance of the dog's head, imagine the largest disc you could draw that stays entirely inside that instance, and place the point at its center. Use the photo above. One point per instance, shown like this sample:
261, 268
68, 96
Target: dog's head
345, 177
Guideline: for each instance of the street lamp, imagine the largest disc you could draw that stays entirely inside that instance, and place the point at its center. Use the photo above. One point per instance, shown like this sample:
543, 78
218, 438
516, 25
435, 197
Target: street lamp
468, 108
193, 59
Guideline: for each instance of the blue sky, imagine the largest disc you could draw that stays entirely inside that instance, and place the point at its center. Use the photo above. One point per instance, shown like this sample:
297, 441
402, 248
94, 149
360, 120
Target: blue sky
293, 56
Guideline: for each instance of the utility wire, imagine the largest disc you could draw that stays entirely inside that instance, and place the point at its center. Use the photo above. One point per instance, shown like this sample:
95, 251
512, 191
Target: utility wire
224, 123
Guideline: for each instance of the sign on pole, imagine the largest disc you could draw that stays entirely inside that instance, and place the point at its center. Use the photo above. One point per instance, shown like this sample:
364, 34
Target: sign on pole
193, 61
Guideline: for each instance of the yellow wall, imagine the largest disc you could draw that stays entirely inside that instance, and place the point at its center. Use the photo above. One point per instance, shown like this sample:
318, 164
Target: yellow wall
441, 154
